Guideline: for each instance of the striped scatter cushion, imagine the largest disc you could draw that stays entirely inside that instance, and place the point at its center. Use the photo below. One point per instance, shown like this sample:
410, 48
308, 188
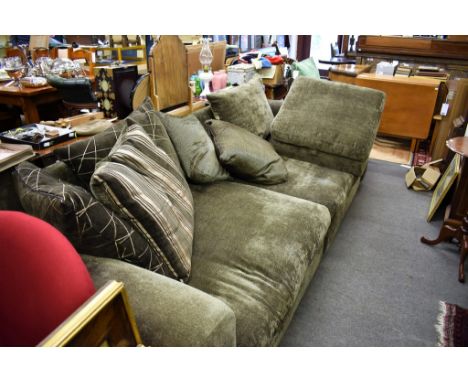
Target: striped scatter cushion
143, 184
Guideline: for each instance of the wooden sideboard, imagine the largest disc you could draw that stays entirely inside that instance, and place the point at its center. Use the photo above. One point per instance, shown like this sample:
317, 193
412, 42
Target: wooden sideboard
410, 101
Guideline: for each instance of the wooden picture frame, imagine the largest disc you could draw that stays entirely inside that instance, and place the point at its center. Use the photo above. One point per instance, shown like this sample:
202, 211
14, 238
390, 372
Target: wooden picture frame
106, 319
444, 185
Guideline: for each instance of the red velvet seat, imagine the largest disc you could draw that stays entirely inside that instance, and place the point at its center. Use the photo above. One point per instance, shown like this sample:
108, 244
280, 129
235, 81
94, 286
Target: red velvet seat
42, 279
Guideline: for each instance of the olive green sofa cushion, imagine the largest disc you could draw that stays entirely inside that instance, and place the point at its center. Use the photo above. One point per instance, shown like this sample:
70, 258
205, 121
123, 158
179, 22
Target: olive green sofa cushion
245, 106
194, 148
332, 188
334, 124
253, 249
246, 155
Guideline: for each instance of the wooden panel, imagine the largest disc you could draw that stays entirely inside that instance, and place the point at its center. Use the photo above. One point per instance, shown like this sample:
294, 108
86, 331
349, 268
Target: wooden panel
169, 78
413, 46
458, 107
409, 105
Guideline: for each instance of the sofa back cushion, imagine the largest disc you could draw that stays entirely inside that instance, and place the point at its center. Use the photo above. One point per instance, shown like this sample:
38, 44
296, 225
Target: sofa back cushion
90, 226
194, 148
247, 155
245, 106
140, 182
328, 117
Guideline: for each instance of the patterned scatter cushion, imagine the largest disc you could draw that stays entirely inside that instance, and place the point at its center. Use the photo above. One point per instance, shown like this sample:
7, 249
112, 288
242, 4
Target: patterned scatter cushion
194, 148
91, 227
245, 106
246, 155
83, 156
142, 183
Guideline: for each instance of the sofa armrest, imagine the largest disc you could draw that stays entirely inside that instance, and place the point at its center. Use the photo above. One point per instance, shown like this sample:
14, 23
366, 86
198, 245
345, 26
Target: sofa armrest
275, 105
168, 312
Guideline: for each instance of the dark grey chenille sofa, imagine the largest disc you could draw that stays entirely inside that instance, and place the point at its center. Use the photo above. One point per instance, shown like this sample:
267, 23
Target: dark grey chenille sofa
256, 248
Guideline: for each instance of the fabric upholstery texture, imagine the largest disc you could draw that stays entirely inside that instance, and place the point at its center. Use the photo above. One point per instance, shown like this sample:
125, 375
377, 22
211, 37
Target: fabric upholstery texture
194, 148
245, 106
141, 182
269, 240
42, 278
332, 118
318, 184
334, 162
246, 155
90, 226
83, 156
167, 312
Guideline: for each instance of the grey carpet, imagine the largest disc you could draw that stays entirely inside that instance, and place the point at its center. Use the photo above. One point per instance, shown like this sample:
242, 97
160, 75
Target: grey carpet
377, 284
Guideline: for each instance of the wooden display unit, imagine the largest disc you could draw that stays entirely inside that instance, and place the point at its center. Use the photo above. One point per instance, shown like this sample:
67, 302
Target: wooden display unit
445, 49
171, 63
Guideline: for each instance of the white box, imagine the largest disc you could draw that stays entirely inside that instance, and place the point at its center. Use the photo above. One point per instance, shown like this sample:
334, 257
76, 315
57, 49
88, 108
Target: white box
240, 73
385, 68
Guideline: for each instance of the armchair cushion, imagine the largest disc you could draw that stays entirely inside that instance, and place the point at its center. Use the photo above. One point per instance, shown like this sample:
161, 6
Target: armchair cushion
246, 155
330, 118
140, 182
89, 225
194, 148
245, 106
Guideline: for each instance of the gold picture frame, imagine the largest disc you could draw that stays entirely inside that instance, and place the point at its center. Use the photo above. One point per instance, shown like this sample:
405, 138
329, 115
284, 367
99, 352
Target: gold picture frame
444, 185
105, 319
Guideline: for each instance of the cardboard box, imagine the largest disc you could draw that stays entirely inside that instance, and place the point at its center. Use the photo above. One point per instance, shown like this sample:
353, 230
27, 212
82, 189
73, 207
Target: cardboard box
423, 178
277, 78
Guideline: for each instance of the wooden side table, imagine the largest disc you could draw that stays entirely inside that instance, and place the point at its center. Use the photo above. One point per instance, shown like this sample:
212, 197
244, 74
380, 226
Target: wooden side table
455, 224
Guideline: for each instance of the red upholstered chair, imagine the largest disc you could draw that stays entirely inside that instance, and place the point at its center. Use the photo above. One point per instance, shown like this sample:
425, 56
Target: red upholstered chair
42, 279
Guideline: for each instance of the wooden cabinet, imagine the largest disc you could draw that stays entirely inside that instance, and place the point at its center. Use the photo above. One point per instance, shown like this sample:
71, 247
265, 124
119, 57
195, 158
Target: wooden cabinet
410, 101
409, 105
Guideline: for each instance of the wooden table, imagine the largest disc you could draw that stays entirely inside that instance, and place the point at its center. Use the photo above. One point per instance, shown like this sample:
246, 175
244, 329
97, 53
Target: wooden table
455, 224
409, 105
28, 99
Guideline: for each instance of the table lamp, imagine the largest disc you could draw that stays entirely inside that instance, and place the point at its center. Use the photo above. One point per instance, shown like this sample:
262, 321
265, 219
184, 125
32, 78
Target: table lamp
206, 57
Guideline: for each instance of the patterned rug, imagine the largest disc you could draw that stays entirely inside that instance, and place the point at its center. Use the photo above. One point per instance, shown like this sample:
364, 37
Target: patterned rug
452, 325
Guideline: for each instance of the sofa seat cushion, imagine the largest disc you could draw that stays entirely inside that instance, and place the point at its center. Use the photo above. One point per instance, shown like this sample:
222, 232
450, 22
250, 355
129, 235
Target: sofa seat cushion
252, 250
316, 183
